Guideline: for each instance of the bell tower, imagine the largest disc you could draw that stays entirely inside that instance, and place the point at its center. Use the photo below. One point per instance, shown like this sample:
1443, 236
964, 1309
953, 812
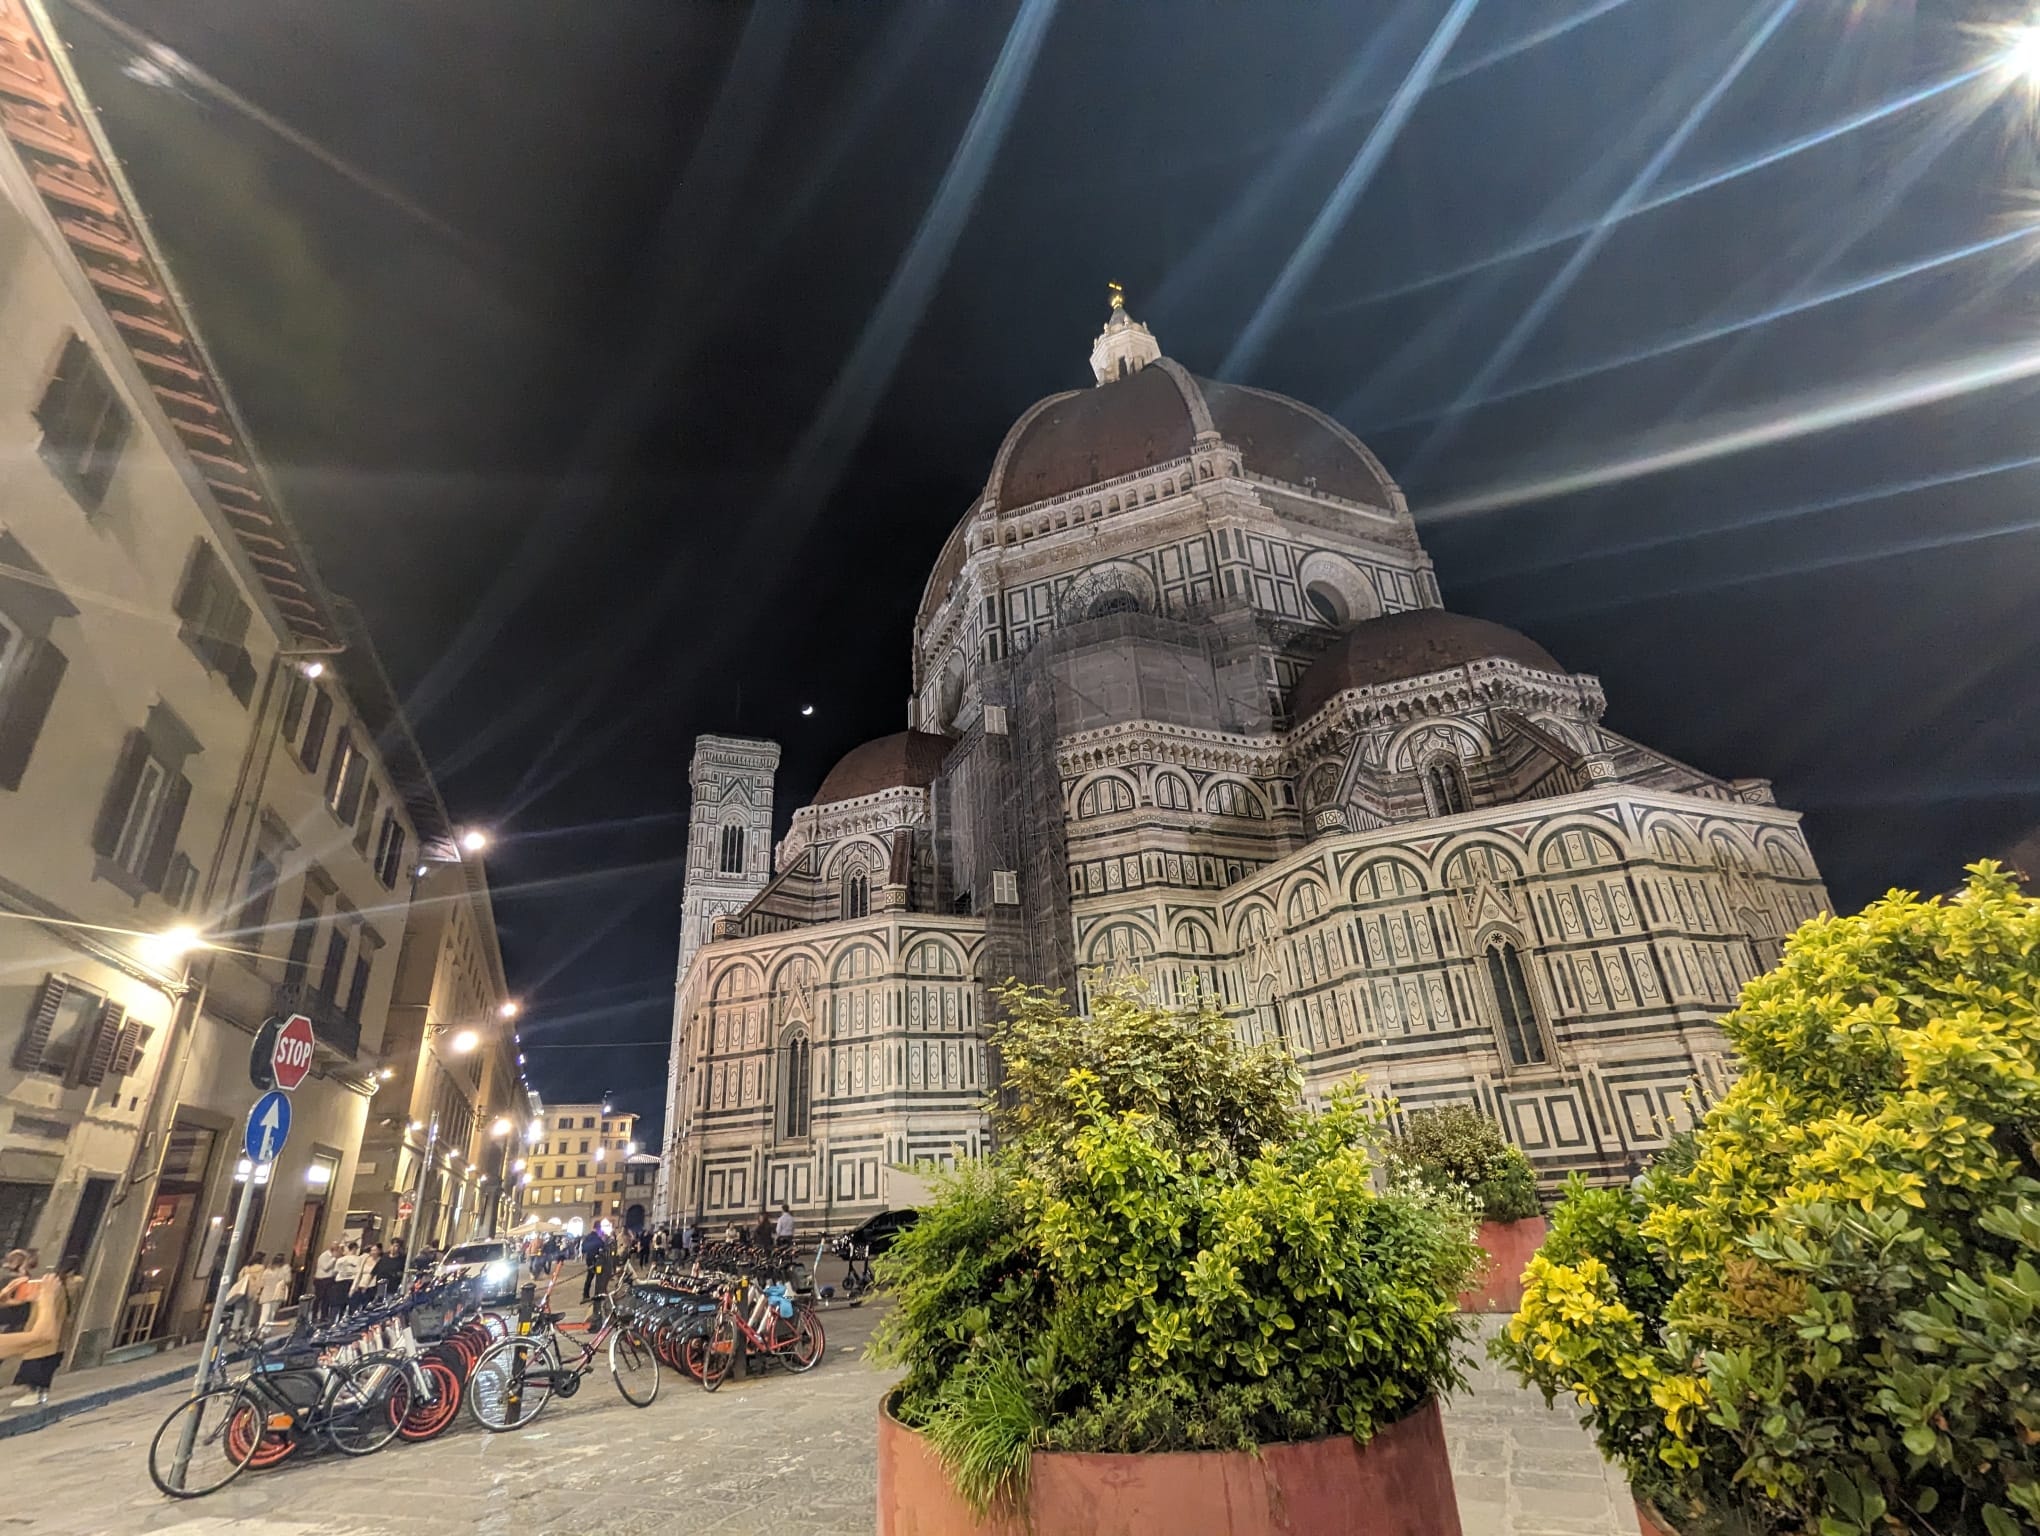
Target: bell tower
1125, 346
729, 833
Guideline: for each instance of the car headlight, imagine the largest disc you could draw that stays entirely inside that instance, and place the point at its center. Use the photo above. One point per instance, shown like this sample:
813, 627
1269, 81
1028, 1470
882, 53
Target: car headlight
500, 1271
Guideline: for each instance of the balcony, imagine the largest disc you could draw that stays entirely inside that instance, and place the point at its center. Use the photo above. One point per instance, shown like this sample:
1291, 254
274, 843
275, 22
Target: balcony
332, 1027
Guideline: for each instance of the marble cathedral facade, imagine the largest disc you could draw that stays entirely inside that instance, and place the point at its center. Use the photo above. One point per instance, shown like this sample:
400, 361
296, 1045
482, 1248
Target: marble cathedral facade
1186, 705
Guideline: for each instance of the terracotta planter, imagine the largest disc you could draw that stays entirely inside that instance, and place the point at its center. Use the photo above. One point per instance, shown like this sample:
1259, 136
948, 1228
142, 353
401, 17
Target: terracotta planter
1399, 1484
1650, 1520
1509, 1245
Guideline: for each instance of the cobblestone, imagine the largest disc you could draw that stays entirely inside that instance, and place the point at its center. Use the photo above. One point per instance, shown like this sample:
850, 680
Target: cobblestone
785, 1455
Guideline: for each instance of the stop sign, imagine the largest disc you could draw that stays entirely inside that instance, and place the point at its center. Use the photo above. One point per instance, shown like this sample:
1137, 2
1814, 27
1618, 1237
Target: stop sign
292, 1058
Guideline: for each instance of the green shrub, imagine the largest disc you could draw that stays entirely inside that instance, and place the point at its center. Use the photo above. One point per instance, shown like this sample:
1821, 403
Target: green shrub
1828, 1318
1455, 1144
1166, 1254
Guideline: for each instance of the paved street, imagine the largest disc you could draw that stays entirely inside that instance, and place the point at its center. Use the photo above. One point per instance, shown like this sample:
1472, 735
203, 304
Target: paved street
790, 1456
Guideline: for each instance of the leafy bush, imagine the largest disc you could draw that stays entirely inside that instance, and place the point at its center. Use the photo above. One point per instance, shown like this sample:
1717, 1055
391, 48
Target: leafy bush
1167, 1253
1830, 1320
1455, 1144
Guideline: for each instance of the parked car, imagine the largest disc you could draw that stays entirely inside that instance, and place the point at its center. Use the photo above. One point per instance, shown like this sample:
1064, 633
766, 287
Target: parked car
491, 1265
877, 1233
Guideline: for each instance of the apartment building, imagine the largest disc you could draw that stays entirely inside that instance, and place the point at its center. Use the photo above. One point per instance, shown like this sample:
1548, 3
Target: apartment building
211, 810
450, 1114
579, 1166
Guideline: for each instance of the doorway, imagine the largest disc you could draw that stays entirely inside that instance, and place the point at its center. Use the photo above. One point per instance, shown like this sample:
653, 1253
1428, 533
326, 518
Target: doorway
166, 1239
85, 1223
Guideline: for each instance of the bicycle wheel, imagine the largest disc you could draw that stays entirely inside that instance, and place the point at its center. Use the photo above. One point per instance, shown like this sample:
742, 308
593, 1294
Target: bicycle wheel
367, 1406
809, 1342
430, 1415
719, 1356
635, 1365
193, 1453
512, 1382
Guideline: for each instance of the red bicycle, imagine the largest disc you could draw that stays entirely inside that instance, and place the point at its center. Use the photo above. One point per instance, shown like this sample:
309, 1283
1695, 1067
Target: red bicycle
771, 1323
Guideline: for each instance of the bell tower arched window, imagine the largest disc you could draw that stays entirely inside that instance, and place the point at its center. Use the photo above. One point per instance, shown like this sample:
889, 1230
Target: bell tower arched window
1522, 1035
856, 892
1445, 787
732, 862
795, 1086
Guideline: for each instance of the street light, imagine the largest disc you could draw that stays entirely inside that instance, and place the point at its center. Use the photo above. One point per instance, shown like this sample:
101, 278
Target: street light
501, 1127
465, 1041
474, 840
508, 1010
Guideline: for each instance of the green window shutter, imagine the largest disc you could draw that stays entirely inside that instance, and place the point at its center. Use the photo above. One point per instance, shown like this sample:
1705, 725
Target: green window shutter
128, 1054
120, 794
105, 1042
28, 1050
26, 706
169, 821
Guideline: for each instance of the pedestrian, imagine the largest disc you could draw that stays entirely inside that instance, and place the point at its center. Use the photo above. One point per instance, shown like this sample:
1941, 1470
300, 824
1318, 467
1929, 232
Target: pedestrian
40, 1345
245, 1294
322, 1280
763, 1233
366, 1288
346, 1270
14, 1315
782, 1229
660, 1248
592, 1247
275, 1289
389, 1271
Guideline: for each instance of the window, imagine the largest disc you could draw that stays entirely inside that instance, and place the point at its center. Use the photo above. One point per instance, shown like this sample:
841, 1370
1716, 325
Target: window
559, 1170
1326, 604
389, 852
303, 933
605, 1127
587, 1124
1005, 888
1445, 788
344, 778
794, 1087
1521, 1034
335, 963
856, 893
215, 619
365, 827
1107, 603
584, 1146
257, 895
357, 987
581, 1169
558, 1195
31, 666
76, 1034
315, 732
294, 705
732, 850
143, 811
83, 425
580, 1193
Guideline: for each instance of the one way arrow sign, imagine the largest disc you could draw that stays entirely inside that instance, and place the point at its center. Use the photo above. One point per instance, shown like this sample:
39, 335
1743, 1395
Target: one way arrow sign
268, 1127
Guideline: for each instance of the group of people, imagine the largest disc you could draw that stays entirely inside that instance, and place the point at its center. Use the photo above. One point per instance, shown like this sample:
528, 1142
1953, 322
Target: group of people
344, 1275
35, 1316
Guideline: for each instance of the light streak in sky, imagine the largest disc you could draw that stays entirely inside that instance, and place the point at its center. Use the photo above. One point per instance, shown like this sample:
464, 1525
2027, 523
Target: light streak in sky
1310, 250
1764, 426
1922, 545
1701, 335
1764, 519
1533, 318
1715, 178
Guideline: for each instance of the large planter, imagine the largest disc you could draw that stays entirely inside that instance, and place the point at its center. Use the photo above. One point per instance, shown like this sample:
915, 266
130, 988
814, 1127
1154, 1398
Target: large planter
1508, 1245
1398, 1484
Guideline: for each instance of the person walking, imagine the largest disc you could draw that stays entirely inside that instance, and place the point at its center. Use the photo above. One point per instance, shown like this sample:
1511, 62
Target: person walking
764, 1232
592, 1247
346, 1270
40, 1345
782, 1229
275, 1290
389, 1271
365, 1286
245, 1294
323, 1269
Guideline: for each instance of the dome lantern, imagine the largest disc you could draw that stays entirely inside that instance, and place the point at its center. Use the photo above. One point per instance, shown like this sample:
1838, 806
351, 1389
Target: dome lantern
1125, 346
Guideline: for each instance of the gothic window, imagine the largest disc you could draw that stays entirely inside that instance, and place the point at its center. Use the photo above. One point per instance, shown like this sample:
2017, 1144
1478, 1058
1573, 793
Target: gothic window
856, 892
1172, 793
795, 1086
1103, 796
732, 850
1522, 1036
1445, 787
1112, 602
1228, 797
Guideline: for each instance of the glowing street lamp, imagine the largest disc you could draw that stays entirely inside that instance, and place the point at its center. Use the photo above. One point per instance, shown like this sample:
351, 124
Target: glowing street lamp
474, 840
465, 1041
509, 1010
501, 1127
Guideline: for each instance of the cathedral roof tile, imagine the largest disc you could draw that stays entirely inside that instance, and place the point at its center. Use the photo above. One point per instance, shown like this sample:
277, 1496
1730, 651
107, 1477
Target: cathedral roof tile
1398, 646
906, 758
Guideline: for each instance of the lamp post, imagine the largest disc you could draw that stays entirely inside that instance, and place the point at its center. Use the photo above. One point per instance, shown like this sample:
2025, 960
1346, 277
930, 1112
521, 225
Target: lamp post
418, 1194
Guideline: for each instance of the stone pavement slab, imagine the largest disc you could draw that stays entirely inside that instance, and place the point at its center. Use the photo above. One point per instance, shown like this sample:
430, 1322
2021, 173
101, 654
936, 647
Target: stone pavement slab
777, 1455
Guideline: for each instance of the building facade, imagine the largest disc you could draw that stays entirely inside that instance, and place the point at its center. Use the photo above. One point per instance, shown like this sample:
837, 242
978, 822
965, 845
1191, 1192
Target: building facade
211, 810
1186, 707
579, 1167
450, 1114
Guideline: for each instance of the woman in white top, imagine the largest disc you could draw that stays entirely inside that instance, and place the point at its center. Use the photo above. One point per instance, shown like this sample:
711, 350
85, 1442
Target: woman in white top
246, 1291
276, 1288
346, 1270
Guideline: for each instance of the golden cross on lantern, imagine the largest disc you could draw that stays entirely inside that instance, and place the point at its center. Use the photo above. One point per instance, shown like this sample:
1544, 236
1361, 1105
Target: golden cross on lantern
1118, 295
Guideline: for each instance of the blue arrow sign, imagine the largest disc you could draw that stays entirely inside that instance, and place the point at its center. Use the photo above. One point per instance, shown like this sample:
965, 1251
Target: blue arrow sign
268, 1126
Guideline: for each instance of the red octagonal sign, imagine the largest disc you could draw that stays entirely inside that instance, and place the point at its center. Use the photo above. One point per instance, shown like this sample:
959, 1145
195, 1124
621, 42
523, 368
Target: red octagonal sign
292, 1058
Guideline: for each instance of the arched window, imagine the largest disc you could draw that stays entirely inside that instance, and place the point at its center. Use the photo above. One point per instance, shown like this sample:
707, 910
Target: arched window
856, 892
1112, 602
1445, 787
795, 1086
1521, 1035
732, 850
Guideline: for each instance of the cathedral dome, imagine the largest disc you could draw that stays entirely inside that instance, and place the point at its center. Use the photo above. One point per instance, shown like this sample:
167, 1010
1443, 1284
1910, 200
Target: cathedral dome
908, 759
1398, 646
1147, 410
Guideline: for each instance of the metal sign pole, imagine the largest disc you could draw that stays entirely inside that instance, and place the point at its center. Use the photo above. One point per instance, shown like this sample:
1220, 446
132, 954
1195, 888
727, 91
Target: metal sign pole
229, 1270
418, 1199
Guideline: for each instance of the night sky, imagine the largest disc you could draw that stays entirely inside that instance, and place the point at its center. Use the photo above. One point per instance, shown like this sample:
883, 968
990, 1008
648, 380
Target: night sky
627, 363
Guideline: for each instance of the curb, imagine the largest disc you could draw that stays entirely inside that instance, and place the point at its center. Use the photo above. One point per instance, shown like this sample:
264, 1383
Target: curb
42, 1418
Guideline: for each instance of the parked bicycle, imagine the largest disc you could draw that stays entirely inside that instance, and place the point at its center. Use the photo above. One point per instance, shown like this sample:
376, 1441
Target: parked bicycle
769, 1324
518, 1376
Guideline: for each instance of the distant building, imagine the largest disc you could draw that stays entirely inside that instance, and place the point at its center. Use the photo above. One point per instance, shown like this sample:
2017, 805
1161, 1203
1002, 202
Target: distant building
194, 737
578, 1166
1186, 706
